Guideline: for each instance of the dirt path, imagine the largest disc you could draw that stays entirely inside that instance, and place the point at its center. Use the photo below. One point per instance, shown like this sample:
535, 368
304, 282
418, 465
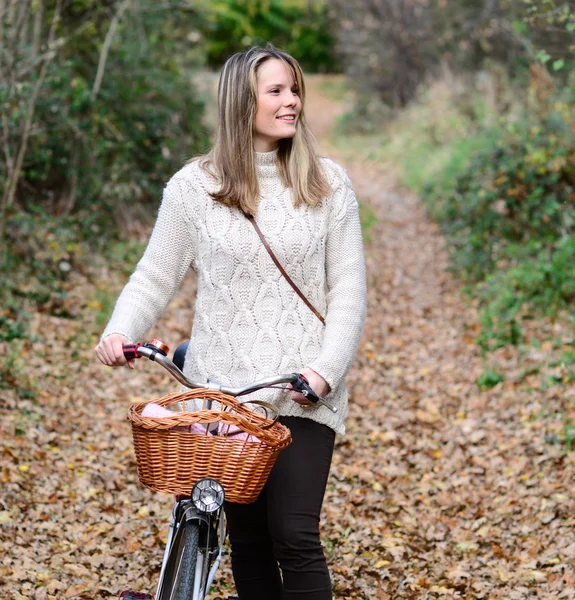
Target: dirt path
437, 491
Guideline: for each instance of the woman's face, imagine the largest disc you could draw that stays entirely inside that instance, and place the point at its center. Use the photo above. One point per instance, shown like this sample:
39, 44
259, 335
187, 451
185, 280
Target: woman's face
279, 105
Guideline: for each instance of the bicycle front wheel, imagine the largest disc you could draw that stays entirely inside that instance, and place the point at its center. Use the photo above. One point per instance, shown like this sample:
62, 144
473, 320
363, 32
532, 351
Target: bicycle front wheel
187, 560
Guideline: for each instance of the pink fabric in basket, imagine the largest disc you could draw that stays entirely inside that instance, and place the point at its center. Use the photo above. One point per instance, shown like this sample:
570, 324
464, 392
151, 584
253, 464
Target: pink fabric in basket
159, 412
156, 411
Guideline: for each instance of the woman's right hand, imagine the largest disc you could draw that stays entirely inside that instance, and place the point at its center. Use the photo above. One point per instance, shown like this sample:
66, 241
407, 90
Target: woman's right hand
109, 351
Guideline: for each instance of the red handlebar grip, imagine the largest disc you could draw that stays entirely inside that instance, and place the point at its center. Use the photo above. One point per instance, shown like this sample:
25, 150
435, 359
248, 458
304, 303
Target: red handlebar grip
131, 351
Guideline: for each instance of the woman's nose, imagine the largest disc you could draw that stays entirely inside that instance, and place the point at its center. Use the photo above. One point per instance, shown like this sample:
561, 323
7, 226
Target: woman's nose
290, 99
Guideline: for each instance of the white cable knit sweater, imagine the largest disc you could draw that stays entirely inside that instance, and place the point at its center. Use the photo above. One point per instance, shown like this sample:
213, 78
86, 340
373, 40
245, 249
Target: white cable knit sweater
249, 323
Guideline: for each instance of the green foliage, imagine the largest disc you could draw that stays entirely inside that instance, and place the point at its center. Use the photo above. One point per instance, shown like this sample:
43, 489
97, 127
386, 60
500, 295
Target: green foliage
49, 260
303, 29
548, 26
14, 323
97, 156
542, 284
518, 192
117, 147
495, 166
42, 252
368, 220
569, 436
45, 253
508, 211
489, 379
13, 373
111, 145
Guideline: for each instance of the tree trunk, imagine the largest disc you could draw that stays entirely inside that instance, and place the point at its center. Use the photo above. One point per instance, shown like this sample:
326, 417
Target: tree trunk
106, 47
37, 36
13, 177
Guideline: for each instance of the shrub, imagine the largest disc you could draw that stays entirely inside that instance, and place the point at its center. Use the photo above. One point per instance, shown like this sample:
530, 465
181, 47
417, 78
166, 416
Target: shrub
508, 211
521, 191
108, 128
543, 284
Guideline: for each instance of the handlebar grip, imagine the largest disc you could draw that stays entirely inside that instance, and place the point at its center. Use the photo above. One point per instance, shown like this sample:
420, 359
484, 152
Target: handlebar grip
310, 394
130, 351
302, 386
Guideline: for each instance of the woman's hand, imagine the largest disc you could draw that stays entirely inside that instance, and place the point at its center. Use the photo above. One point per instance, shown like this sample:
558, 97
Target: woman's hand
316, 382
109, 351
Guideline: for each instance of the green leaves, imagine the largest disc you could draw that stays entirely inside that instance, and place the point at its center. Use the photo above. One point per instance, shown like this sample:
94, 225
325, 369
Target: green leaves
300, 28
509, 215
489, 379
543, 56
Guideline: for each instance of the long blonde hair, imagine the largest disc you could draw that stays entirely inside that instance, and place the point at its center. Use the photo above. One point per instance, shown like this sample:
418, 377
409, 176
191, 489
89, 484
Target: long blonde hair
232, 158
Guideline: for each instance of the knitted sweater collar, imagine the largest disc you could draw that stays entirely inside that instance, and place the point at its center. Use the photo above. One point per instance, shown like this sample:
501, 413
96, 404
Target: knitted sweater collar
267, 164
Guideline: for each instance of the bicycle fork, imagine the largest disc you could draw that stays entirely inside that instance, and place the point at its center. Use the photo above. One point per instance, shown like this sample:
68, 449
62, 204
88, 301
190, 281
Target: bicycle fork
212, 535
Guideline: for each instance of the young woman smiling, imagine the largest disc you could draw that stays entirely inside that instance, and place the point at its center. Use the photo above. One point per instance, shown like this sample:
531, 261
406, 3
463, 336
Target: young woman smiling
249, 322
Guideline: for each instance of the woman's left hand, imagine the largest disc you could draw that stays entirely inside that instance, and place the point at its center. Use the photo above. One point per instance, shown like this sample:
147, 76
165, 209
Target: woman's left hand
317, 383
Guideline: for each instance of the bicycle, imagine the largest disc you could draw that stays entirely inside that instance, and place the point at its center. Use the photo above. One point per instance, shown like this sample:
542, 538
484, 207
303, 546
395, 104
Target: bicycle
198, 530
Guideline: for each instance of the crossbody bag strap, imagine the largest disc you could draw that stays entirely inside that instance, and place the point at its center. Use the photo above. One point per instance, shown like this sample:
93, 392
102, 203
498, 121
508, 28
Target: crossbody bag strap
282, 270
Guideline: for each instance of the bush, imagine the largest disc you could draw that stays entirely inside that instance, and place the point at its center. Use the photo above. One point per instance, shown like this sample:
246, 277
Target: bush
118, 148
542, 284
51, 260
94, 153
519, 192
509, 217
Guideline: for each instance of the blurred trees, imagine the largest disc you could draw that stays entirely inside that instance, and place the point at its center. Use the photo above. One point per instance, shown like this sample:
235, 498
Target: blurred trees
96, 102
391, 46
304, 28
97, 110
492, 154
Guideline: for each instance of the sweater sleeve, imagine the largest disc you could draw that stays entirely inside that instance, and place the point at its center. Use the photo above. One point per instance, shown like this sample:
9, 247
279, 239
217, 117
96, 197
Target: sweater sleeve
346, 289
169, 253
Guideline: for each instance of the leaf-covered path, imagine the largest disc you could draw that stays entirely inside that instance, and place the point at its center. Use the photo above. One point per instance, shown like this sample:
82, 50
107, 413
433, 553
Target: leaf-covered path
438, 490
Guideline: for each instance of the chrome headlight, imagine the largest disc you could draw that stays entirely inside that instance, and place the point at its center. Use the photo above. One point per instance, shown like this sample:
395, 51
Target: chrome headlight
208, 495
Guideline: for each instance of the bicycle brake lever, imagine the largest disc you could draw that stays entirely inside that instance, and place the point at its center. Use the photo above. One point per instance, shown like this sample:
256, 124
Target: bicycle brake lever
302, 386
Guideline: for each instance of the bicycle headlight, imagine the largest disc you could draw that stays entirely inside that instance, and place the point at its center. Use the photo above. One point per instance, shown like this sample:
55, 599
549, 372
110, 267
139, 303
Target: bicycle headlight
208, 495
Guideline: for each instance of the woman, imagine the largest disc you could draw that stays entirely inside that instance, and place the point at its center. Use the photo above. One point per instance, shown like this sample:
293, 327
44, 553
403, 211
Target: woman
249, 323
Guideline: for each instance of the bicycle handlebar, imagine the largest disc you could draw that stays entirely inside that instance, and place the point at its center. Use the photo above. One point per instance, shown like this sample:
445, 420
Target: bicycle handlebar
157, 351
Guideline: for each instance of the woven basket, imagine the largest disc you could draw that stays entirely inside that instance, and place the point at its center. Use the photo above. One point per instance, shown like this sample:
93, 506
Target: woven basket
171, 459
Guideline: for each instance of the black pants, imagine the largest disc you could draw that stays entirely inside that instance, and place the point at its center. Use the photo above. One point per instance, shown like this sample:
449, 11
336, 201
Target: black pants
282, 526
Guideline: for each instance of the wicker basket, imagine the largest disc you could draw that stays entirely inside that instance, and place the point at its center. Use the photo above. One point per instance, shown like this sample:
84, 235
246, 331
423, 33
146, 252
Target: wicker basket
172, 459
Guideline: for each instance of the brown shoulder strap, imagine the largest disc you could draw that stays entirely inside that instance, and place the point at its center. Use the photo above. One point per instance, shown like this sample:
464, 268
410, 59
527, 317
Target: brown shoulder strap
282, 270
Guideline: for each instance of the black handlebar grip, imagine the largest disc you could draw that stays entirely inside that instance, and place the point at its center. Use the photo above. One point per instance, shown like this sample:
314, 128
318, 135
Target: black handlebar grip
131, 351
303, 387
